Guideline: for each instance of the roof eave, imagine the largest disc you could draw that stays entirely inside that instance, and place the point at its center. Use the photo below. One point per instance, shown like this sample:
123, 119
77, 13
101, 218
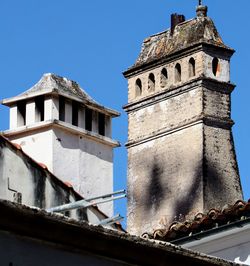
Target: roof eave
11, 101
91, 104
135, 69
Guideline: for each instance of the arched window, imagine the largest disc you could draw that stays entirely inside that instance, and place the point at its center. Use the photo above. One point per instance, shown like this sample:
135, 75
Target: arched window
177, 72
216, 67
151, 82
164, 77
191, 67
138, 88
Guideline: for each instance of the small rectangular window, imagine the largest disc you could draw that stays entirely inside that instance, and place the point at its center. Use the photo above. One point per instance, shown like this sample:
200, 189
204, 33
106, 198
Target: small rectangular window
21, 113
88, 119
39, 108
101, 124
75, 110
61, 108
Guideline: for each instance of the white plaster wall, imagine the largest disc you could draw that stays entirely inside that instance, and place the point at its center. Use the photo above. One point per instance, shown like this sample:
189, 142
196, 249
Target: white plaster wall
15, 173
13, 117
85, 163
51, 108
37, 144
30, 112
21, 251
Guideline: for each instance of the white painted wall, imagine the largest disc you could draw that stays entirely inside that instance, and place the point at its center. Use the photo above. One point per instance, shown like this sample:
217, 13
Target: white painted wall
13, 117
85, 163
30, 112
38, 145
51, 108
233, 245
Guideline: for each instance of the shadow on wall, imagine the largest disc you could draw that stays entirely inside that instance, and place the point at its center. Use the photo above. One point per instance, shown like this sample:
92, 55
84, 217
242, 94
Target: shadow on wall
159, 191
215, 193
85, 145
156, 192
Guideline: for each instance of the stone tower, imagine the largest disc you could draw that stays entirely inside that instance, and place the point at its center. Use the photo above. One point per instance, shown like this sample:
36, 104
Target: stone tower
59, 125
181, 157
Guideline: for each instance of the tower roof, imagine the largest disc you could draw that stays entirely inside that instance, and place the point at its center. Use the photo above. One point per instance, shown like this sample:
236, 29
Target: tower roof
54, 84
200, 30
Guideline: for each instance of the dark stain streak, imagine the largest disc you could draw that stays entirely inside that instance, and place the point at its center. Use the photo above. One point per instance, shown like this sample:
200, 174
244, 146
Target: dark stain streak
155, 192
39, 180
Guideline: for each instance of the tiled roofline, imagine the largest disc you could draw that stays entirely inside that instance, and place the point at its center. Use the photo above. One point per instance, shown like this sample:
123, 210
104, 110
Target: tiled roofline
96, 240
237, 224
195, 47
204, 223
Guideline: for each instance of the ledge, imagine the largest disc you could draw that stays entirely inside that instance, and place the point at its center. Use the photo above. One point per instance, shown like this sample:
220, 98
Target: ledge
212, 121
66, 126
173, 91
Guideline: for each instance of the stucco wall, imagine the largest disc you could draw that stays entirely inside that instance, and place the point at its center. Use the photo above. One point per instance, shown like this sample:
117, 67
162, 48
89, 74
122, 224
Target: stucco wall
36, 185
86, 164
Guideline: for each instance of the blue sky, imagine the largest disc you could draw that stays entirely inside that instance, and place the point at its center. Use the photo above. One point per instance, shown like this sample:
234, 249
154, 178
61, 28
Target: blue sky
94, 41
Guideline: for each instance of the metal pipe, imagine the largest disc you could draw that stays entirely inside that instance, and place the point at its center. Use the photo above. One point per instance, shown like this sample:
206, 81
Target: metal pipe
82, 204
111, 220
107, 195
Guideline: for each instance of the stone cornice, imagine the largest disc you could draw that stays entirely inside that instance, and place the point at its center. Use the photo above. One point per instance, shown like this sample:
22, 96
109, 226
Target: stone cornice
212, 121
65, 126
210, 84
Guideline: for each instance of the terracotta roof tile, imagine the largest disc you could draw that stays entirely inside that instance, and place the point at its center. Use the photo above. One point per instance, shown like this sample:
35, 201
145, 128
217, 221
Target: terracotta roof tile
17, 146
43, 165
203, 221
68, 184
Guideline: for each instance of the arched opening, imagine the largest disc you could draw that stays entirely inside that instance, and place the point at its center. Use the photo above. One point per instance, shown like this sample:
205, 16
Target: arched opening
216, 67
138, 88
178, 73
164, 77
191, 67
151, 82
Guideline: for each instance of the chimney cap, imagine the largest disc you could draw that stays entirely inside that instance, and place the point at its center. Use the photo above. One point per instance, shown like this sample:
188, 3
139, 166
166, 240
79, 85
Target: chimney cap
175, 20
201, 10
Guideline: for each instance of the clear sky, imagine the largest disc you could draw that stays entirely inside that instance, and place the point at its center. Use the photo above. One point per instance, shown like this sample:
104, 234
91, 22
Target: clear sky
94, 41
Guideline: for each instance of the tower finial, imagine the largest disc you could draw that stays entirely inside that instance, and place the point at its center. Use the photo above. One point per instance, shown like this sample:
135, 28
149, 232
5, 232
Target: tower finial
201, 10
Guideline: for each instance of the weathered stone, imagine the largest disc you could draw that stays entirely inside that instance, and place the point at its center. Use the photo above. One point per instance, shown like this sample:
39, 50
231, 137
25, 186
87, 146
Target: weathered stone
181, 157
